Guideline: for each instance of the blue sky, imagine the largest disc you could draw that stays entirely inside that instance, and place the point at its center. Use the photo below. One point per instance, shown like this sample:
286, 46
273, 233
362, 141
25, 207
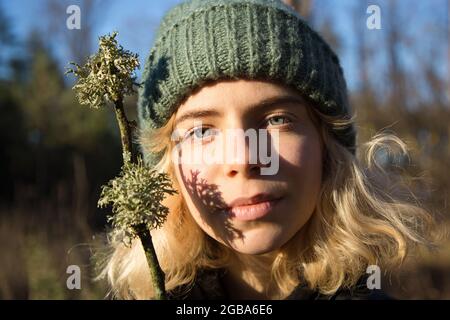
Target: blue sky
137, 20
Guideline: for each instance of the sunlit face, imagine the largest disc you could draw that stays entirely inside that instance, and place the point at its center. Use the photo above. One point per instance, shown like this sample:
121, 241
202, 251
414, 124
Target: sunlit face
210, 187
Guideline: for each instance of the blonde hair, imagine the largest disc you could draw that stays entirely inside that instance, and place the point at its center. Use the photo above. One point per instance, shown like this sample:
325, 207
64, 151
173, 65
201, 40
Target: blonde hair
365, 216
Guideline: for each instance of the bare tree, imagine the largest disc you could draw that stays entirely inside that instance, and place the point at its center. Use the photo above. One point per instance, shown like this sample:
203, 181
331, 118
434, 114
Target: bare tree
363, 50
394, 38
77, 44
447, 35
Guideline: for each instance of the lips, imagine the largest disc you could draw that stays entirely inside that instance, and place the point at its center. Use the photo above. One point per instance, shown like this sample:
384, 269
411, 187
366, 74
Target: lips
258, 198
252, 208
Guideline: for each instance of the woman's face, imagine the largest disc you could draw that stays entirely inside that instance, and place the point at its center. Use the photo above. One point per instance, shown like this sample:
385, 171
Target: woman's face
253, 204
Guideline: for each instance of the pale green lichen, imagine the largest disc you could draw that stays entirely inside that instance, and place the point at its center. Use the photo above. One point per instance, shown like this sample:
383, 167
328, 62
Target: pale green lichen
107, 75
136, 197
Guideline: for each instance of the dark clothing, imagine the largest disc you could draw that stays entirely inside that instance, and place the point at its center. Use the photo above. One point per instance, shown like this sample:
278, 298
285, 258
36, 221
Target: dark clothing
209, 286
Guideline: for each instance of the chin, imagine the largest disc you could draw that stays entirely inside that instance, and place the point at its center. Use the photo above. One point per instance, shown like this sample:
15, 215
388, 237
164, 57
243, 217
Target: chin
253, 250
256, 243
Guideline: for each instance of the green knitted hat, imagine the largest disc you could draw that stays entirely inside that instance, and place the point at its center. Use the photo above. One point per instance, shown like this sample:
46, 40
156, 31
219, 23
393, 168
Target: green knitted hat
206, 40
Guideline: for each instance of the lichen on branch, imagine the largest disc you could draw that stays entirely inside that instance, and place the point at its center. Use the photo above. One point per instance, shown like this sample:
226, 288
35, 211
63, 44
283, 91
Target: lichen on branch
135, 195
108, 75
136, 198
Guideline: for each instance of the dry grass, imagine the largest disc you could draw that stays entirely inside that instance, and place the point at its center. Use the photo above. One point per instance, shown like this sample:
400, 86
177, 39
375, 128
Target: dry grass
38, 242
37, 245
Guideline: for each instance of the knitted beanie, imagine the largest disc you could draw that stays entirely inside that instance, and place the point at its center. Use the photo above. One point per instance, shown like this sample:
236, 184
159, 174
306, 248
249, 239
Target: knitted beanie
205, 40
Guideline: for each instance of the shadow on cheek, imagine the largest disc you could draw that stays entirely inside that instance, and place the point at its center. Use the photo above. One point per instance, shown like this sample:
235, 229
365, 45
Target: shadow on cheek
207, 198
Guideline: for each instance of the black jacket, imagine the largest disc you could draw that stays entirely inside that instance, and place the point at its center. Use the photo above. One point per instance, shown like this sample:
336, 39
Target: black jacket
209, 286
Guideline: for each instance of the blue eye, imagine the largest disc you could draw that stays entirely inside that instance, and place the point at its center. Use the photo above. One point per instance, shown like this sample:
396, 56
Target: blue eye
278, 118
200, 132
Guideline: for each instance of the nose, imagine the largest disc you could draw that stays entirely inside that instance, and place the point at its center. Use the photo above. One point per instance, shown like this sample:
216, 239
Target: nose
242, 156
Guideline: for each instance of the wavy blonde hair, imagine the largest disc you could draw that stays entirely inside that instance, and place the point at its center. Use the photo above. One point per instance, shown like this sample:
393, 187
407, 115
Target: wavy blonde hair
365, 216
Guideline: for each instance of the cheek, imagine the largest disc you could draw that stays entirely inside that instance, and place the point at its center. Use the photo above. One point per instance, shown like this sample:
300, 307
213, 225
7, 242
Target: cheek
194, 182
200, 194
301, 166
303, 155
190, 166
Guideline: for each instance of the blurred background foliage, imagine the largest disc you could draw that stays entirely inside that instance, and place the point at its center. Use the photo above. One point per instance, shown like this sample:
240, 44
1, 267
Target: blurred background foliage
55, 154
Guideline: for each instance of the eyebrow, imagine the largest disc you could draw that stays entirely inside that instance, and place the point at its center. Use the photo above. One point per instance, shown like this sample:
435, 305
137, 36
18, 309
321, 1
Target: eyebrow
259, 106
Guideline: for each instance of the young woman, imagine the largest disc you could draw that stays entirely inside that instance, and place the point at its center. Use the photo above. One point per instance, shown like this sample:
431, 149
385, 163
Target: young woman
245, 107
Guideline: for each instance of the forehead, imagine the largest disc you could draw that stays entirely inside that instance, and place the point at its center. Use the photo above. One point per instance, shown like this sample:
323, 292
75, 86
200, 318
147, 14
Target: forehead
236, 95
236, 91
